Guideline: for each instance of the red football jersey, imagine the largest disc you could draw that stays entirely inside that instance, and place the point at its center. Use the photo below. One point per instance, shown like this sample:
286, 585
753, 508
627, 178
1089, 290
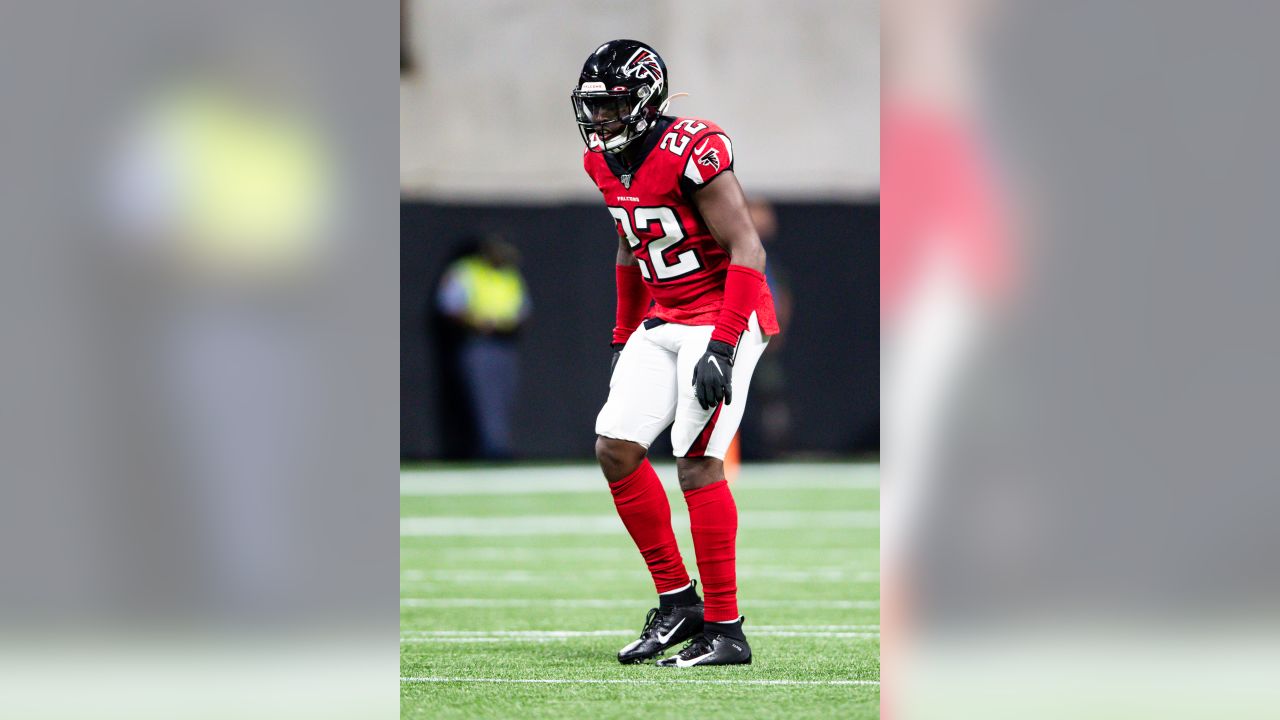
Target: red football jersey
682, 264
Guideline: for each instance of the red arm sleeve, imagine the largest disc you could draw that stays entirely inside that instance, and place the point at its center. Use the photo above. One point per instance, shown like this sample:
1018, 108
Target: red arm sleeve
633, 302
742, 288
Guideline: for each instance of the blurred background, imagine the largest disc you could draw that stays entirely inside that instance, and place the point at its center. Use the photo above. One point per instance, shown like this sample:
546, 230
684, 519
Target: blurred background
507, 303
1078, 289
199, 279
200, 502
493, 191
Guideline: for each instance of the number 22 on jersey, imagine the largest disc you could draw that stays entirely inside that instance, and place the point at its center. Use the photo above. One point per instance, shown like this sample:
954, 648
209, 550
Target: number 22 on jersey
666, 263
681, 133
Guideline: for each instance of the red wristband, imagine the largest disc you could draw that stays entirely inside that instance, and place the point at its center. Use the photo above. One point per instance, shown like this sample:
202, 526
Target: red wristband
742, 288
633, 302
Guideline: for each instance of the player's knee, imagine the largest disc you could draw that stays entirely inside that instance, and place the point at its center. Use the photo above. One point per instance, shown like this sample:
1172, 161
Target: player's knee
618, 458
697, 473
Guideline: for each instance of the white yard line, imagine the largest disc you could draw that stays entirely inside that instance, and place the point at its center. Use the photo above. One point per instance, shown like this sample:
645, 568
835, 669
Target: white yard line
604, 603
865, 627
627, 552
428, 636
622, 631
427, 577
488, 525
627, 681
816, 634
411, 634
631, 634
466, 640
522, 480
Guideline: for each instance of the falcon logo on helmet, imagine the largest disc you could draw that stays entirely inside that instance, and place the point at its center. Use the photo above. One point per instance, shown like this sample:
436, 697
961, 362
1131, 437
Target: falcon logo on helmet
621, 92
644, 65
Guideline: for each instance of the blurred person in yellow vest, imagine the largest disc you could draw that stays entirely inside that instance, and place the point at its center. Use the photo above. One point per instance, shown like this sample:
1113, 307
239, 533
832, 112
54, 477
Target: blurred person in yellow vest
485, 296
219, 195
227, 182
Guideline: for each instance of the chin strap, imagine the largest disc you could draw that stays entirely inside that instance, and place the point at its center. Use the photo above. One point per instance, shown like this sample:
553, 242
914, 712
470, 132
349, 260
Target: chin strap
663, 107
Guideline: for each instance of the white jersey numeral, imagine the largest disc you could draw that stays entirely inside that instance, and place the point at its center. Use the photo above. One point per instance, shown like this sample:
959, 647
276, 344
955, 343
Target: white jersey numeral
675, 142
689, 125
683, 263
681, 133
624, 224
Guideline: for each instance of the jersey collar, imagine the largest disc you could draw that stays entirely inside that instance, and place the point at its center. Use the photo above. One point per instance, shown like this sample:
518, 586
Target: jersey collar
619, 168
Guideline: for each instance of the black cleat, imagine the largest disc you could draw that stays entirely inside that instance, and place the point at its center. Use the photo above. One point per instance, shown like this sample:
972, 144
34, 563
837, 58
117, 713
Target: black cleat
663, 628
713, 647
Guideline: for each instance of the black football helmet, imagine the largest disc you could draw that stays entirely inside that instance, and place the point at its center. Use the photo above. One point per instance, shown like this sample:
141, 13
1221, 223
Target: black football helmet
621, 92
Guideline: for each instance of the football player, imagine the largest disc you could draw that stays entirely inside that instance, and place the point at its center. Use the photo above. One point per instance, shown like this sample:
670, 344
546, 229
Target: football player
693, 317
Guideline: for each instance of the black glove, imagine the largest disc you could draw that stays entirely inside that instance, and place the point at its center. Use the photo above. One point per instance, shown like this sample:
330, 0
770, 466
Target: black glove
617, 353
713, 375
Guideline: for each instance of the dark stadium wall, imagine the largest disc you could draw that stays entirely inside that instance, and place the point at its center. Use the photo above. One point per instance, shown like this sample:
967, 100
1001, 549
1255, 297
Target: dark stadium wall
828, 254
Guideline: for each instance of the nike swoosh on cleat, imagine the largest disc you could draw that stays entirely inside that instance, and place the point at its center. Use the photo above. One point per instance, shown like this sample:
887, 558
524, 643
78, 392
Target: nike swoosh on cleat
695, 661
664, 638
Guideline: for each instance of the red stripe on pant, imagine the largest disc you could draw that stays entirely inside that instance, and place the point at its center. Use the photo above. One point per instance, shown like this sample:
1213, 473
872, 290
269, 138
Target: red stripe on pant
642, 505
713, 519
699, 446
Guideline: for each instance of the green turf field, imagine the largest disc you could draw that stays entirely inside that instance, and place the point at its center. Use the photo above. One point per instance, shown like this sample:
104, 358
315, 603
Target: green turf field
518, 585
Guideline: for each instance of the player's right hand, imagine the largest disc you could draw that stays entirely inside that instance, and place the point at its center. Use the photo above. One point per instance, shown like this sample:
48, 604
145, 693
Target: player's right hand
617, 353
713, 375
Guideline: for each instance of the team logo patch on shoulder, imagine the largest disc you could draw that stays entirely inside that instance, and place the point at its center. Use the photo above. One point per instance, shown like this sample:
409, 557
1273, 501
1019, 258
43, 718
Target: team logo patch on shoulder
711, 159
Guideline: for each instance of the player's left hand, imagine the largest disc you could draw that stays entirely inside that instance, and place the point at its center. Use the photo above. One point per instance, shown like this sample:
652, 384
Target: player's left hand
713, 375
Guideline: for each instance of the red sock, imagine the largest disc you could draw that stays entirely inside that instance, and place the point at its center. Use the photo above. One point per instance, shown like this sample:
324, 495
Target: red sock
642, 505
713, 518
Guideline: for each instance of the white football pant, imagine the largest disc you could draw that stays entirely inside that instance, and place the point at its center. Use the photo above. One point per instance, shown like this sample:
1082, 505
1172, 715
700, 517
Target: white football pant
652, 387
